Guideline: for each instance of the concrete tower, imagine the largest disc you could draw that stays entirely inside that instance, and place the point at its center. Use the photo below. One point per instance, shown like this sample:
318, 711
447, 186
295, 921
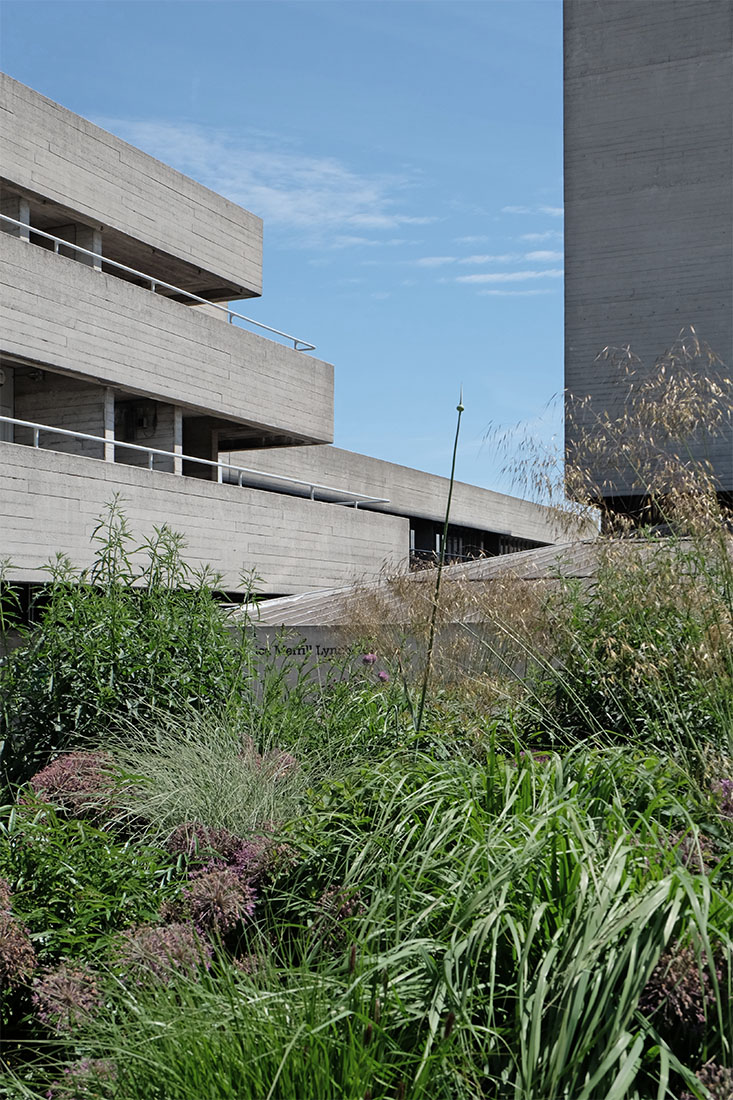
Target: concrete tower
648, 196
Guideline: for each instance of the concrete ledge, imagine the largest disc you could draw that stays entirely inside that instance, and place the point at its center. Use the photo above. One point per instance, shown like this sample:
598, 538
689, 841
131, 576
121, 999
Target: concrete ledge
410, 492
49, 503
61, 313
50, 152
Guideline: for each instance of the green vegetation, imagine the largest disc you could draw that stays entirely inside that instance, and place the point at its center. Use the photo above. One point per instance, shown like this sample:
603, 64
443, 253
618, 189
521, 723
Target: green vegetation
138, 631
219, 879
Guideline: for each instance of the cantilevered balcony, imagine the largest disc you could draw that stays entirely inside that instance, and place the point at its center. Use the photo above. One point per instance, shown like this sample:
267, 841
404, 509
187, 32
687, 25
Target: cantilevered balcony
69, 170
68, 316
49, 503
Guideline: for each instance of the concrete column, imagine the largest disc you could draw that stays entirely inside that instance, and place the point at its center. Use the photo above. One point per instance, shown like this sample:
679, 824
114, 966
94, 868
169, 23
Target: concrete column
15, 206
177, 439
89, 238
109, 424
7, 403
217, 473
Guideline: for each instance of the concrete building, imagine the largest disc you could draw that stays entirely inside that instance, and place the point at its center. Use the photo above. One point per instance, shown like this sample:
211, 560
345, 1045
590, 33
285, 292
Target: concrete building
483, 523
124, 371
648, 197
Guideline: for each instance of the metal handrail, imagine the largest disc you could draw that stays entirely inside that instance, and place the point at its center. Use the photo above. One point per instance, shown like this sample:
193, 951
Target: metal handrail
354, 499
298, 345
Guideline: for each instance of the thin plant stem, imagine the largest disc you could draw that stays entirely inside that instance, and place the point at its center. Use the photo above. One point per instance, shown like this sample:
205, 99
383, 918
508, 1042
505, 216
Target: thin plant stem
441, 563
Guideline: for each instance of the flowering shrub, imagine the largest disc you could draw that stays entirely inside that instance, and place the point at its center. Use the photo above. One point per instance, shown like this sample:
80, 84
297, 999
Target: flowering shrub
17, 957
160, 952
679, 993
77, 781
65, 997
89, 1077
218, 900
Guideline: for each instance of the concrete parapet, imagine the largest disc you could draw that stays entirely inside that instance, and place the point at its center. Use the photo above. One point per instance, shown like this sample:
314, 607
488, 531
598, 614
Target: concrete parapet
411, 492
66, 160
49, 503
65, 315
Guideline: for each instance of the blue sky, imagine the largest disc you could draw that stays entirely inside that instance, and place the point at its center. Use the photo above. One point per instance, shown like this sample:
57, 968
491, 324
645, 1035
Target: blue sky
406, 157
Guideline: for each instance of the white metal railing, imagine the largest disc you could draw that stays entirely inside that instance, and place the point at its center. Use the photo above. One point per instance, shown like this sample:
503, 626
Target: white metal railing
59, 242
111, 444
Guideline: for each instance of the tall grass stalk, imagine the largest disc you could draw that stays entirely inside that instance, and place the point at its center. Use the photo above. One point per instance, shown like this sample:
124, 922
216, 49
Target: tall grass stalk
439, 574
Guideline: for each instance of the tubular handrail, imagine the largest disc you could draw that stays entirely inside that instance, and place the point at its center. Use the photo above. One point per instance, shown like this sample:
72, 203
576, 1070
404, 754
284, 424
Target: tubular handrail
353, 499
298, 345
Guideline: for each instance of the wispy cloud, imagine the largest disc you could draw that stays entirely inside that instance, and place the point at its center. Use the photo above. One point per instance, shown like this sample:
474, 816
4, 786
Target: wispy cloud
475, 239
548, 235
485, 258
435, 261
510, 276
284, 186
515, 293
544, 257
551, 211
346, 241
504, 258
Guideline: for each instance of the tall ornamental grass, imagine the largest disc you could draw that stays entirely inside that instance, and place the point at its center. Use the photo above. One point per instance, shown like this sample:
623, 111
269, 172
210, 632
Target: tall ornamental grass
496, 929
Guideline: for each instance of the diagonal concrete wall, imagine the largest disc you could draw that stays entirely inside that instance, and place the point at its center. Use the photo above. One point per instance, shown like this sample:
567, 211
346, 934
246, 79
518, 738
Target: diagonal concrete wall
410, 492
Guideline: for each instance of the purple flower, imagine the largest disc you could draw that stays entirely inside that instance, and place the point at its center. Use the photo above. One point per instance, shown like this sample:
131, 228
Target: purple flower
679, 992
77, 781
203, 844
17, 957
65, 997
383, 675
160, 952
717, 1080
81, 1077
219, 850
369, 658
249, 964
219, 900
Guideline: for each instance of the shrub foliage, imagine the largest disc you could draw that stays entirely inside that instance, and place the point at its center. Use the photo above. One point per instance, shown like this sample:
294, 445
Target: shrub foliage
137, 631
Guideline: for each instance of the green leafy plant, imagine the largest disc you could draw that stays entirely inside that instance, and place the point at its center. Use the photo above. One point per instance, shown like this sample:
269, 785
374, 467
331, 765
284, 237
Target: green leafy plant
136, 631
74, 883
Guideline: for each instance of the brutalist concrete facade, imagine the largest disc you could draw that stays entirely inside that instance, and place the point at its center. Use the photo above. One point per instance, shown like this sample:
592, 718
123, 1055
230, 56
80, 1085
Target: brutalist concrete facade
115, 381
513, 524
648, 193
